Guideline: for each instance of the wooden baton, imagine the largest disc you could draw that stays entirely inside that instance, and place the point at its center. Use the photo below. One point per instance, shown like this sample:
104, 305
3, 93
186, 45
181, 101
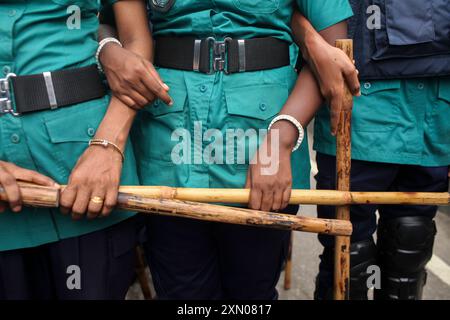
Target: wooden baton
343, 168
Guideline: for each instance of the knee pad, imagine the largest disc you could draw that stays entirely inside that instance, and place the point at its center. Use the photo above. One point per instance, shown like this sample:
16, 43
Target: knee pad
362, 255
405, 246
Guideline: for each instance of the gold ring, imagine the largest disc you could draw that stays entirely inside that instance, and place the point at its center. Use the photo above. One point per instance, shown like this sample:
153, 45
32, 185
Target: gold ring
97, 200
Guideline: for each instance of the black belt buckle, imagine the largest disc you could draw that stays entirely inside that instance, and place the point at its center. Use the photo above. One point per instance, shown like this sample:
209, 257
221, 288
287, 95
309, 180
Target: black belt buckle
219, 55
6, 105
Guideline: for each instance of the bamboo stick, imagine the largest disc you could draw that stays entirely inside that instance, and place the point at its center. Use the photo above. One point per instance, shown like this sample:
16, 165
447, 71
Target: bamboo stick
48, 197
35, 196
43, 196
319, 197
232, 215
343, 168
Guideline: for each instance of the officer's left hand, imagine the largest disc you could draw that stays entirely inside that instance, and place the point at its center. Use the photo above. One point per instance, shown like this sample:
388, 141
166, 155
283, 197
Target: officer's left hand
270, 177
96, 174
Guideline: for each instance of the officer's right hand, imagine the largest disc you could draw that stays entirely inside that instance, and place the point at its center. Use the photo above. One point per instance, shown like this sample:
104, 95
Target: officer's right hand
132, 78
9, 174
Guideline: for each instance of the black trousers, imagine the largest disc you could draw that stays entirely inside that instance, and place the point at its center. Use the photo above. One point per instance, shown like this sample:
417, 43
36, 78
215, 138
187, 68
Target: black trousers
372, 176
103, 260
200, 260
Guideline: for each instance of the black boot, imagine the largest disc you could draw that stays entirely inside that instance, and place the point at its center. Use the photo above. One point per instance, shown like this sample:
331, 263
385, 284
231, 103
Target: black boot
362, 255
405, 247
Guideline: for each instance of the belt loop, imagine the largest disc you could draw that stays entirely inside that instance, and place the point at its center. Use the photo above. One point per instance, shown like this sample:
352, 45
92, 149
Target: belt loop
50, 90
197, 49
241, 51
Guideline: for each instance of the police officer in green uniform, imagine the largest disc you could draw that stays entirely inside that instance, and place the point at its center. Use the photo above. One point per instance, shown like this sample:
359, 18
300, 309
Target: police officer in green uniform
52, 104
400, 142
228, 68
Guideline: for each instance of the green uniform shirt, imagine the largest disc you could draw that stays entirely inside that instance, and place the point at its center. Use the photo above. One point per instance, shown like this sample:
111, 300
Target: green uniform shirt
227, 103
396, 121
35, 38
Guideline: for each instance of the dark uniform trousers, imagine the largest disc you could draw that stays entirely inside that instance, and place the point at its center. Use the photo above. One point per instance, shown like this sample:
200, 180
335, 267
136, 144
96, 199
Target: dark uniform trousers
372, 176
106, 259
201, 260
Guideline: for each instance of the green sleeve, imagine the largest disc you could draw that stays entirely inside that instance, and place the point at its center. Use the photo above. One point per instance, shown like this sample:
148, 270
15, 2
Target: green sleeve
325, 13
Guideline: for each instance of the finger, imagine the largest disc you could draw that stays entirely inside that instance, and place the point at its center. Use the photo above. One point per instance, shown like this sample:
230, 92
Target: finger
67, 200
110, 202
126, 100
255, 198
351, 78
143, 91
286, 198
33, 176
267, 200
248, 181
94, 207
9, 184
159, 91
156, 76
139, 100
277, 200
81, 203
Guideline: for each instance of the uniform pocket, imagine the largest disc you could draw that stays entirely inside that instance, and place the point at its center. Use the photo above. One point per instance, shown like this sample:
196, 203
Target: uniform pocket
409, 22
260, 103
257, 6
439, 122
444, 90
412, 29
70, 129
377, 110
251, 109
159, 122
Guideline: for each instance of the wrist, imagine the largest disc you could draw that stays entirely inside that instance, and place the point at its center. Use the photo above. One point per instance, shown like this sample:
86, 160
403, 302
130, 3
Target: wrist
106, 55
108, 145
310, 44
287, 135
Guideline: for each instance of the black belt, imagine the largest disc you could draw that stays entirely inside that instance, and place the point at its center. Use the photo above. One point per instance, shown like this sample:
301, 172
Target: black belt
231, 55
49, 90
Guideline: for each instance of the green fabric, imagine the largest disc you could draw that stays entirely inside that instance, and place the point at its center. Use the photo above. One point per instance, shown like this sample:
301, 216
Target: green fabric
34, 39
223, 102
396, 121
245, 18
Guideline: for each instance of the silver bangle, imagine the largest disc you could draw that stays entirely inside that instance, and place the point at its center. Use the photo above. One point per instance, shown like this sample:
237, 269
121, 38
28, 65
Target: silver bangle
291, 119
99, 50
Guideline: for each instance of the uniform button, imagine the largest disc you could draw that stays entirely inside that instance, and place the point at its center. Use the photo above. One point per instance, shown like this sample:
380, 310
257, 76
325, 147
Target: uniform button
12, 13
367, 85
91, 132
15, 138
156, 103
203, 88
263, 107
420, 86
6, 70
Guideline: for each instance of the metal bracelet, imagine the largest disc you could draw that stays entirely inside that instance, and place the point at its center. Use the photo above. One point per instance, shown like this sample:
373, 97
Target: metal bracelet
105, 143
291, 119
100, 47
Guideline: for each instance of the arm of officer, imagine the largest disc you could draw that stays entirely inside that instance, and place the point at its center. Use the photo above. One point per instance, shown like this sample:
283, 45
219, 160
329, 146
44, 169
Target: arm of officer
330, 65
132, 78
271, 181
9, 174
98, 171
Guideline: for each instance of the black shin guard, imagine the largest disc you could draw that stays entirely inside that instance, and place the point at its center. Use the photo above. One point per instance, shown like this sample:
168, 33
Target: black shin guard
362, 255
405, 247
